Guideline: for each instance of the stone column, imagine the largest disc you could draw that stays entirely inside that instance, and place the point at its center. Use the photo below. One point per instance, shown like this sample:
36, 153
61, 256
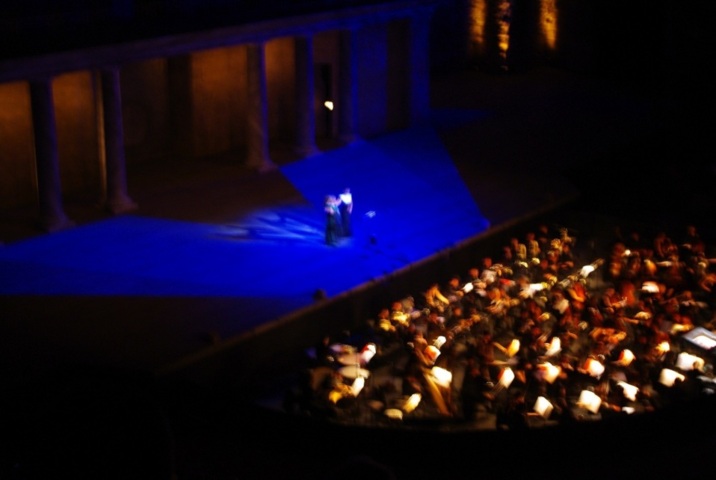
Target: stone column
347, 86
305, 96
419, 76
49, 186
118, 200
257, 109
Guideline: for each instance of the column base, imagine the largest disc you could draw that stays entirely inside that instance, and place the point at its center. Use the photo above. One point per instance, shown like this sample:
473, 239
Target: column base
306, 152
121, 205
349, 138
266, 167
262, 165
56, 223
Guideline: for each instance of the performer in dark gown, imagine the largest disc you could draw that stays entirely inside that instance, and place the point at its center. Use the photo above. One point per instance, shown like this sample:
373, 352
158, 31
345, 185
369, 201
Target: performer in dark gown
333, 220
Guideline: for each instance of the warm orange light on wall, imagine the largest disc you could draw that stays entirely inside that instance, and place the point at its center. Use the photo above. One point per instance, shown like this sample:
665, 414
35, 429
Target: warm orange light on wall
504, 18
548, 23
478, 15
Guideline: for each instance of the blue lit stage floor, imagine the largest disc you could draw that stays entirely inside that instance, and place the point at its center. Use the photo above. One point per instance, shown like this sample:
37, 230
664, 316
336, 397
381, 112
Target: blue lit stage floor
410, 203
142, 280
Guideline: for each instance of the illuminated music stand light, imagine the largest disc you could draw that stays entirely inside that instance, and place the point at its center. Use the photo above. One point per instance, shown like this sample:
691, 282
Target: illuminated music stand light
594, 367
533, 288
625, 358
587, 270
589, 401
685, 361
441, 376
506, 377
412, 403
701, 337
511, 349
629, 390
543, 407
393, 413
357, 385
551, 372
367, 354
555, 346
668, 377
432, 353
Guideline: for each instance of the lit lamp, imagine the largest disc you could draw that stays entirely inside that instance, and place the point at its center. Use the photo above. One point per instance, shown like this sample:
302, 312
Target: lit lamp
441, 376
589, 400
394, 413
642, 315
686, 361
667, 377
702, 337
513, 348
680, 327
506, 377
543, 407
550, 372
594, 367
533, 288
367, 353
357, 386
586, 270
412, 403
663, 347
630, 391
432, 353
334, 396
625, 358
328, 104
554, 347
